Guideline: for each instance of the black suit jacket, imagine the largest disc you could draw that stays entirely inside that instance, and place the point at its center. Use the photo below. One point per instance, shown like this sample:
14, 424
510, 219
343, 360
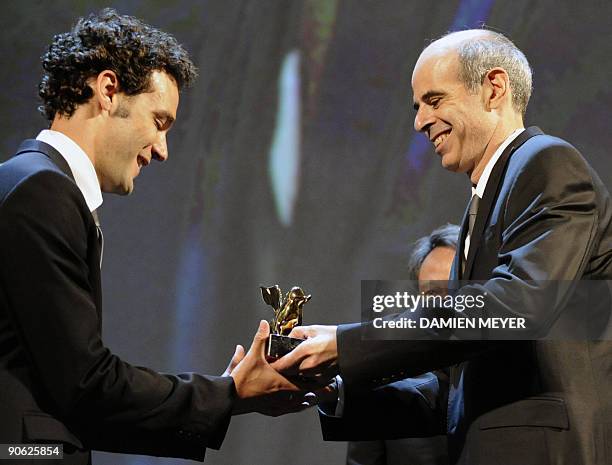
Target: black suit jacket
58, 381
545, 215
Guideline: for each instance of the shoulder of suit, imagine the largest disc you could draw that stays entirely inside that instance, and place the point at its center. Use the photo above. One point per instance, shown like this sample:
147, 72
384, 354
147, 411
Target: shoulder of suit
545, 162
25, 168
545, 152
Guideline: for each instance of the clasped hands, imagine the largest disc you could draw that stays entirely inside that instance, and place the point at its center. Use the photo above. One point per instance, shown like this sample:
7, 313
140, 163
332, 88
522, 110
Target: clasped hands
299, 380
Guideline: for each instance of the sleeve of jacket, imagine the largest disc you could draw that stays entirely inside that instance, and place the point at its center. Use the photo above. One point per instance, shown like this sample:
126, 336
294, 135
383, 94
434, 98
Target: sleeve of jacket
549, 209
412, 407
44, 225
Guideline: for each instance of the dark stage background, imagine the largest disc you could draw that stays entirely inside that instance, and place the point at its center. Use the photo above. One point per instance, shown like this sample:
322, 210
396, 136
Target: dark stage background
293, 161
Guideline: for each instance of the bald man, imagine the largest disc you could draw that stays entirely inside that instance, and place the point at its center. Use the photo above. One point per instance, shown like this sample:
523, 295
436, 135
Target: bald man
539, 214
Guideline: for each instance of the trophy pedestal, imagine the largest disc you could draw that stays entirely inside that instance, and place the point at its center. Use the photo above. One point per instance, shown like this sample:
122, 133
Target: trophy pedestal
278, 345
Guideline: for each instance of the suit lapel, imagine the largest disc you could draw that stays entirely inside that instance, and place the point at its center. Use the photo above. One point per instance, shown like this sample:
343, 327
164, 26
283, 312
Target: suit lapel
455, 273
490, 194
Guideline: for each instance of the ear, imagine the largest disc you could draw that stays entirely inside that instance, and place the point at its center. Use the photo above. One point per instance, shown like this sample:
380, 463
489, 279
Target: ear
105, 88
497, 88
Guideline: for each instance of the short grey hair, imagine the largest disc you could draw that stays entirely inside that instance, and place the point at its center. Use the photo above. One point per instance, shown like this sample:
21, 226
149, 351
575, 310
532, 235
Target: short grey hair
478, 55
444, 236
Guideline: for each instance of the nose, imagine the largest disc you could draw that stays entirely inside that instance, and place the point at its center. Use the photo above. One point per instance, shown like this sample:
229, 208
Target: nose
423, 119
159, 150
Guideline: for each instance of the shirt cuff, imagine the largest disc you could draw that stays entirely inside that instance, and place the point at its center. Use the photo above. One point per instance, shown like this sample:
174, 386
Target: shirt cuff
335, 409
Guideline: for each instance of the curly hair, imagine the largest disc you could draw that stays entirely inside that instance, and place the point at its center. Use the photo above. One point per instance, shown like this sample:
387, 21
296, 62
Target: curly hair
107, 40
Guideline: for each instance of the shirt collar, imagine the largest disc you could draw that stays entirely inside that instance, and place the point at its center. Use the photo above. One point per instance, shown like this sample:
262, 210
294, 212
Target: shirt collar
484, 177
81, 166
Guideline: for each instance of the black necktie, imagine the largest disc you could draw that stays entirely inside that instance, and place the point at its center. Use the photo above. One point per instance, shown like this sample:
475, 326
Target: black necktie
472, 212
100, 236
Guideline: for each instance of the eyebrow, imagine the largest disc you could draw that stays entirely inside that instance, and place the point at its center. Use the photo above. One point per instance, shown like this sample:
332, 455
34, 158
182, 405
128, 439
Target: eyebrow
428, 96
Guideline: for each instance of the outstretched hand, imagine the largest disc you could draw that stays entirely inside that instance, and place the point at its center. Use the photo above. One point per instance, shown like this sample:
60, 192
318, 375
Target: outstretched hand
259, 387
316, 357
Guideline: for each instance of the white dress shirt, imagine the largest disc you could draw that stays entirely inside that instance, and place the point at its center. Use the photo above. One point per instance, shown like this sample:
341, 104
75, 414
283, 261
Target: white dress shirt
81, 166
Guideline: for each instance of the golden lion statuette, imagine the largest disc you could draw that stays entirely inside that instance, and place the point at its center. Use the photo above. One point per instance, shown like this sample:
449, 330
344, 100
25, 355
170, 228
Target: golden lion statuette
287, 315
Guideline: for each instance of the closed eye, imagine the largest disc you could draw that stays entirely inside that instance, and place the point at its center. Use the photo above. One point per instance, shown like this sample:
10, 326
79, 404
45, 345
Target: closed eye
163, 120
431, 98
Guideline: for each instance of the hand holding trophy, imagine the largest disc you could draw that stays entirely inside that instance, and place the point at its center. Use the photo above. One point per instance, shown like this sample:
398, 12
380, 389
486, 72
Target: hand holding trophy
260, 388
288, 320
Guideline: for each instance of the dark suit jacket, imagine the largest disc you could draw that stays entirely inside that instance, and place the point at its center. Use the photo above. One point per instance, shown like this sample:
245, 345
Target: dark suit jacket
545, 215
59, 383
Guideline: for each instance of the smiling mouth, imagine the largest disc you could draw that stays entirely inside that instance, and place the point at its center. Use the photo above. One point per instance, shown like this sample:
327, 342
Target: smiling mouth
440, 138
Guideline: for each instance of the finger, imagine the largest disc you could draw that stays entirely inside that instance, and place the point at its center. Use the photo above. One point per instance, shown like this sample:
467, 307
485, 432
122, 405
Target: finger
237, 357
309, 384
312, 368
310, 400
301, 332
291, 360
260, 338
299, 404
304, 401
290, 403
327, 394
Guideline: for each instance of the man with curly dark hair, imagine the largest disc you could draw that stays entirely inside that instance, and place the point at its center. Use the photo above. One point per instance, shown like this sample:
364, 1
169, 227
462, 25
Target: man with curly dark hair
111, 91
130, 70
123, 44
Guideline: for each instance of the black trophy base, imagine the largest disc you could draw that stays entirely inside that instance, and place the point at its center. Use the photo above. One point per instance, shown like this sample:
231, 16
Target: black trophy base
278, 345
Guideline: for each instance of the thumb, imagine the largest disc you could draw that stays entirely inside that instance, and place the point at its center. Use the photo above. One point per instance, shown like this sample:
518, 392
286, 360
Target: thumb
261, 336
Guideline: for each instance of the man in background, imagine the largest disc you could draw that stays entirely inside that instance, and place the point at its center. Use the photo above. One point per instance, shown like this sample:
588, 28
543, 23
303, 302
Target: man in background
429, 265
110, 91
